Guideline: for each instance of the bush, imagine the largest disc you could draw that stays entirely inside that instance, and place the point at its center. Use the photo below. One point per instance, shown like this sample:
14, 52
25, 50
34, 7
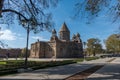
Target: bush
5, 72
86, 58
91, 58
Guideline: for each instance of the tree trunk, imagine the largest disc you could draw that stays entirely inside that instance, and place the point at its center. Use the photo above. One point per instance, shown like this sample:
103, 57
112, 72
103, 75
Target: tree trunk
26, 54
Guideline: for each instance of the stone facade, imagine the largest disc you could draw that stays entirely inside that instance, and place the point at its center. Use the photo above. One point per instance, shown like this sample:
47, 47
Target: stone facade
61, 47
11, 53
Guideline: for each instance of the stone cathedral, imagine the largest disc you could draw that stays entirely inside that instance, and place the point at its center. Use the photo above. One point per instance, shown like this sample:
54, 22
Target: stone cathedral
58, 47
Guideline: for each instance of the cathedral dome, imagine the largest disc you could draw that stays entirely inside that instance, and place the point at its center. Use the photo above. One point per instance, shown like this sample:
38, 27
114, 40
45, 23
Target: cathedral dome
64, 28
64, 33
78, 35
73, 36
53, 31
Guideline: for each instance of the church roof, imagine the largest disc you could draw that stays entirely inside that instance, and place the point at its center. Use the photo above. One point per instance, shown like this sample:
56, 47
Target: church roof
78, 35
53, 31
64, 28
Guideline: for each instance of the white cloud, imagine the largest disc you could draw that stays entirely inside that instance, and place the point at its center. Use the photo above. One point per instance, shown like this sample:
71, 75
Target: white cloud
7, 35
40, 38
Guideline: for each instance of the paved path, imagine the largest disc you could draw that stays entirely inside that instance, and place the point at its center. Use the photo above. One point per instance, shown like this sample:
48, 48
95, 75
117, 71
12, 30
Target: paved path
54, 73
111, 71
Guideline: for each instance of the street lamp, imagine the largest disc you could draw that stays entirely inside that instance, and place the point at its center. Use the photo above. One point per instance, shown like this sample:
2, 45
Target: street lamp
29, 24
26, 23
94, 54
84, 43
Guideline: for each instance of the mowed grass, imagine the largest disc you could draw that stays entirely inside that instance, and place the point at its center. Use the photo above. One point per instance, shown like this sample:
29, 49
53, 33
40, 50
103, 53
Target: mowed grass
3, 63
87, 59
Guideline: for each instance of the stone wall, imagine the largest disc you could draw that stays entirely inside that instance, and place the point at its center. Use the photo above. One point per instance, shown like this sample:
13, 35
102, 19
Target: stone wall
11, 53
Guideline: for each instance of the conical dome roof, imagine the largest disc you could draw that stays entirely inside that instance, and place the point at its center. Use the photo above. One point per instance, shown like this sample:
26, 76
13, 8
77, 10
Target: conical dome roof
53, 31
64, 28
73, 36
78, 35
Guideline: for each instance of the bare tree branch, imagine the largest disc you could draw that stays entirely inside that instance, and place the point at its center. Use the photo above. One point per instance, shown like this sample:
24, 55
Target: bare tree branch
18, 13
1, 5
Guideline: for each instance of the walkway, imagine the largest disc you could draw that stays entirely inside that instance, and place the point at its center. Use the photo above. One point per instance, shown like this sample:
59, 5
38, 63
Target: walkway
110, 71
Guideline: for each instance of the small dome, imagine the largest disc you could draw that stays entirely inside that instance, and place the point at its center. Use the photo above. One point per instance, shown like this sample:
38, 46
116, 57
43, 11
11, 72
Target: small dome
53, 31
74, 36
78, 35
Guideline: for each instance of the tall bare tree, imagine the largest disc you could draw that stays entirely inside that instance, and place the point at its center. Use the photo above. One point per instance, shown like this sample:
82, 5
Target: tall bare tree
34, 10
32, 14
93, 8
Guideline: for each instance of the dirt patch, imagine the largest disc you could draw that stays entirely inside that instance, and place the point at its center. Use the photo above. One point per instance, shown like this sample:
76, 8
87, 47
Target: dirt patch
84, 74
111, 60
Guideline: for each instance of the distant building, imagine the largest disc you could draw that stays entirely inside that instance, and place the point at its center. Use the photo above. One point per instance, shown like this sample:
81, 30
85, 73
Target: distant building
11, 53
61, 47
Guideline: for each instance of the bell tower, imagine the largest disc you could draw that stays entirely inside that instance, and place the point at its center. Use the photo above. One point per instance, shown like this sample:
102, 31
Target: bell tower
64, 33
54, 35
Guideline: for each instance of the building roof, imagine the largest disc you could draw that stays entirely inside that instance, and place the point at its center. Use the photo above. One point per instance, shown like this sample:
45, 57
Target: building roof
78, 35
64, 28
53, 31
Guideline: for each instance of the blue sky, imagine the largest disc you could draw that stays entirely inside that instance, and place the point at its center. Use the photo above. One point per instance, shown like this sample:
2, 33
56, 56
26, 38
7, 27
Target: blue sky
101, 27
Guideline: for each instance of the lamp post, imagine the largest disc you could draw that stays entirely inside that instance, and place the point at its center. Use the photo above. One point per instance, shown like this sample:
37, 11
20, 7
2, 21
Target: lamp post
94, 53
84, 43
24, 23
26, 53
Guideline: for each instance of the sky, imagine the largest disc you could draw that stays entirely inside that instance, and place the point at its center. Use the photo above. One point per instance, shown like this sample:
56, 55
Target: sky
14, 35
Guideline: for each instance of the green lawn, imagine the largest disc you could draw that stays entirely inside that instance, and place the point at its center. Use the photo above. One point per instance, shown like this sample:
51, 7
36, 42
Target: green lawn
87, 59
2, 63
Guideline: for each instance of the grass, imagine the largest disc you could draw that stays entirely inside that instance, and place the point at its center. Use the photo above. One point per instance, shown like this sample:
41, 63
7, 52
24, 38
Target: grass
87, 59
91, 58
2, 63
